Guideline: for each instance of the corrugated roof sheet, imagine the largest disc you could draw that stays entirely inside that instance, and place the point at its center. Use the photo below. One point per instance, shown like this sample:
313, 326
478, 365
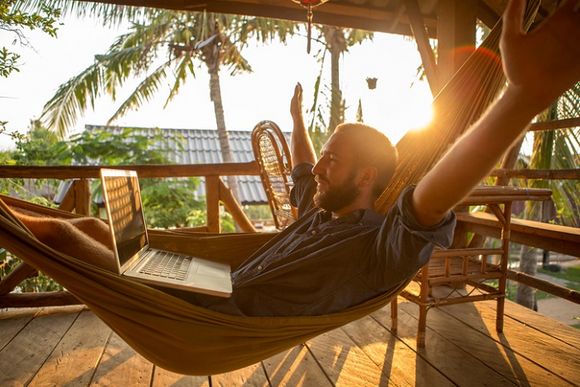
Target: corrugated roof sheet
201, 146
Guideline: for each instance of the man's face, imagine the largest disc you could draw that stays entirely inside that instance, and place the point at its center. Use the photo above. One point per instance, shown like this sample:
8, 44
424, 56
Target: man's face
335, 174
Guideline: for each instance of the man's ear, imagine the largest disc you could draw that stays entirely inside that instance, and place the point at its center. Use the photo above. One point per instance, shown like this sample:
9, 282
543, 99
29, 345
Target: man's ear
367, 176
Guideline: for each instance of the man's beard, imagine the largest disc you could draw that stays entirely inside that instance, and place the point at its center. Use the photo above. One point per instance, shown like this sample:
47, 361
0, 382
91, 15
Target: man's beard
337, 197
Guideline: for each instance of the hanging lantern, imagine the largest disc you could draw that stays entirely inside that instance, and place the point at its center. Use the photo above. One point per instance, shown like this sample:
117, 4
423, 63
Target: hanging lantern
309, 5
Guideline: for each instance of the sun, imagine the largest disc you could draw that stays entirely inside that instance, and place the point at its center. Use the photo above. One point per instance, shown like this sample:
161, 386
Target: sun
401, 112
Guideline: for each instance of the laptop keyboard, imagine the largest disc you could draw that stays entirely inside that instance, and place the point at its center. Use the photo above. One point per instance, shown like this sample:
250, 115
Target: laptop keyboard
167, 265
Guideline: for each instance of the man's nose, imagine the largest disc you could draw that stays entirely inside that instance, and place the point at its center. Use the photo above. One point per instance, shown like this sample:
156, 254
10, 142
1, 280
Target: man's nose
316, 168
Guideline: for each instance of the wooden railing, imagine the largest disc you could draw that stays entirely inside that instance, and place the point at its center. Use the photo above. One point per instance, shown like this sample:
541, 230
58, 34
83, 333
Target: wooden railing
78, 197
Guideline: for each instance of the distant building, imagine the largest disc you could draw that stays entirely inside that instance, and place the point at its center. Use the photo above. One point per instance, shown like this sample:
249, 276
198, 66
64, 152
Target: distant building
201, 146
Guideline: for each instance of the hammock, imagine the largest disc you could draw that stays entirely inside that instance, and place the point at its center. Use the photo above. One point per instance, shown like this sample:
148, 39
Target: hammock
187, 339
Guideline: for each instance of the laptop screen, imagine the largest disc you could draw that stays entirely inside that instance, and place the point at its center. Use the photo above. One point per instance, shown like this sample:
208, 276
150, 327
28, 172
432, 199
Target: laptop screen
122, 195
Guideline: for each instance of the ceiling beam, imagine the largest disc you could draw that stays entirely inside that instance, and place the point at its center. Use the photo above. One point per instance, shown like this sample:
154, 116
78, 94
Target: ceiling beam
425, 50
339, 14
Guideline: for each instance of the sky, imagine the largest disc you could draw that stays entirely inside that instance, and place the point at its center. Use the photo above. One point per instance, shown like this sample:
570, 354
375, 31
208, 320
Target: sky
399, 102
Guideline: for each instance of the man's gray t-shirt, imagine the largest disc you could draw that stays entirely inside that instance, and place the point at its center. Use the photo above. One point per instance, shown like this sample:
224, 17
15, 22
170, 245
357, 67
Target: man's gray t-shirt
319, 265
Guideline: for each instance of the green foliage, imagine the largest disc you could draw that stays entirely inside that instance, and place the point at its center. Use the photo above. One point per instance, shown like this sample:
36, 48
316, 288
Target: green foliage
40, 283
41, 147
14, 20
38, 147
104, 147
168, 203
197, 218
258, 212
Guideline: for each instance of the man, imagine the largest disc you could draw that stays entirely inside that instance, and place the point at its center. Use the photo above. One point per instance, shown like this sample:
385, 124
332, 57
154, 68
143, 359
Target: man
340, 252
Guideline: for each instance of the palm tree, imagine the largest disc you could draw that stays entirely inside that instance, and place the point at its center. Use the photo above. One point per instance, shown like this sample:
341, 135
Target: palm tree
336, 41
184, 39
556, 149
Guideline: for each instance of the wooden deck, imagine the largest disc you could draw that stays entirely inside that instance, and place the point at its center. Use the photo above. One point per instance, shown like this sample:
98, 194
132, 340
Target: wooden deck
71, 347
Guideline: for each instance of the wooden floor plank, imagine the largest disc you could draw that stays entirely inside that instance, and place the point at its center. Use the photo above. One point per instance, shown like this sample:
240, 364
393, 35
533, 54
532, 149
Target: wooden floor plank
458, 365
73, 361
25, 354
518, 369
163, 378
122, 366
295, 367
253, 375
344, 362
397, 361
12, 321
550, 326
547, 351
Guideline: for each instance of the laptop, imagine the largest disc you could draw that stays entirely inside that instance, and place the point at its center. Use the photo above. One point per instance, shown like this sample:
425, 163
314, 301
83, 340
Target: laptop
137, 260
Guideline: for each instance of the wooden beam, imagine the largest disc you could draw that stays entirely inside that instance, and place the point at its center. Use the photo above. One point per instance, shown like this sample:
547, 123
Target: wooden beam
154, 170
545, 236
554, 125
487, 15
542, 174
234, 208
427, 55
68, 202
15, 277
455, 34
545, 286
348, 15
30, 300
212, 196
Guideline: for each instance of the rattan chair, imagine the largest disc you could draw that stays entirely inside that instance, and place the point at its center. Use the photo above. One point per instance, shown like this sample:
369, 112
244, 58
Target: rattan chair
273, 156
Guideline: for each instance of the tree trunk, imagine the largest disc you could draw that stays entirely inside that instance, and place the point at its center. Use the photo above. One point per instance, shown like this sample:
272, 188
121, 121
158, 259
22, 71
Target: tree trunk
216, 98
336, 42
336, 93
526, 295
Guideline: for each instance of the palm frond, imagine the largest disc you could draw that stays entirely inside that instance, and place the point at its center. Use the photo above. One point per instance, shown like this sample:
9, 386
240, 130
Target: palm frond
108, 14
184, 67
233, 58
73, 97
143, 92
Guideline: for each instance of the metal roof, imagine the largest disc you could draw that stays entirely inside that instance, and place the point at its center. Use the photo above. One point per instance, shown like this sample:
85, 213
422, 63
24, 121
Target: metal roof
201, 146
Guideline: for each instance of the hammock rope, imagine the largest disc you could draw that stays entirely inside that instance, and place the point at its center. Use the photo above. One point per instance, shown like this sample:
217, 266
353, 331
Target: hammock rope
187, 339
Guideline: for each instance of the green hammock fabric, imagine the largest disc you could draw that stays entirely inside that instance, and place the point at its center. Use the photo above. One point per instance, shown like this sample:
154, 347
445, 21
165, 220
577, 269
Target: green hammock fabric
183, 338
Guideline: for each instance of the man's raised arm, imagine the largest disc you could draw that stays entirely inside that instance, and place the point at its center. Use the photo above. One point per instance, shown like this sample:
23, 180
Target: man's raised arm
301, 146
539, 67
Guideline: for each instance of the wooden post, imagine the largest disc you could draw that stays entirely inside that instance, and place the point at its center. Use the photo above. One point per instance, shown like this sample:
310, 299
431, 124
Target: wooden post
212, 196
423, 306
82, 197
505, 244
422, 39
455, 31
234, 208
68, 202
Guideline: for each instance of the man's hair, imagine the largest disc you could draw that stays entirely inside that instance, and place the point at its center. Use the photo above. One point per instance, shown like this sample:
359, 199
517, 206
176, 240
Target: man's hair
372, 148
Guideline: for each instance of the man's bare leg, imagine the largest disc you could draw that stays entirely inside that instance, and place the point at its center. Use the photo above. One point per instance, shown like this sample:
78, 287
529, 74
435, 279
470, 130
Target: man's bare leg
63, 236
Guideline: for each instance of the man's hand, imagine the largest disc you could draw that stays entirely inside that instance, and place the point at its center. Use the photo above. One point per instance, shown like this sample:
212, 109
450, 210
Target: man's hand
544, 63
301, 147
296, 103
